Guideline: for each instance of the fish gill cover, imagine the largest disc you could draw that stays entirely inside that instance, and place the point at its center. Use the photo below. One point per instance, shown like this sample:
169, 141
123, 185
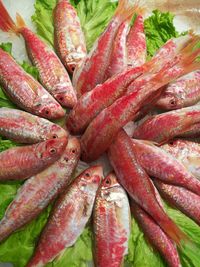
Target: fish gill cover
94, 16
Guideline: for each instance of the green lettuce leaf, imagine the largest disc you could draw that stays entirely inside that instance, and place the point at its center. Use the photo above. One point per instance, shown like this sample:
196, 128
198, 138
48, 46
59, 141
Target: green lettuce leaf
158, 29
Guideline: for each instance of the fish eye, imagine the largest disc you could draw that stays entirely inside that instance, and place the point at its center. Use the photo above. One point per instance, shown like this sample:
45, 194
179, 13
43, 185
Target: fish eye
66, 159
172, 102
73, 151
54, 136
73, 68
61, 98
171, 143
87, 174
52, 151
107, 182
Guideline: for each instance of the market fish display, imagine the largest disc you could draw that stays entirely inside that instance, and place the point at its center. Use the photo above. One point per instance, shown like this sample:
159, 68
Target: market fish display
182, 93
138, 184
20, 163
181, 198
69, 39
69, 216
39, 190
156, 236
164, 127
187, 152
93, 68
25, 91
136, 42
102, 130
160, 164
24, 127
111, 223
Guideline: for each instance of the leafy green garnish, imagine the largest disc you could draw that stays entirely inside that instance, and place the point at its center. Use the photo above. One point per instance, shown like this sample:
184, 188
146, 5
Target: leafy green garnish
30, 69
158, 29
6, 47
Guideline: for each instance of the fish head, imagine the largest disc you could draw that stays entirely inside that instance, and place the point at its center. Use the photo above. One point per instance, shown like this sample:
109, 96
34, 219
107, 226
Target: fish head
91, 178
109, 182
51, 111
52, 148
71, 66
168, 102
56, 132
66, 99
174, 146
72, 151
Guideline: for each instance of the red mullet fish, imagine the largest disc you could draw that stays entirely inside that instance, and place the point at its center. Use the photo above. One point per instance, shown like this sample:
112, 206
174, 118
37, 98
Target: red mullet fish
111, 223
24, 127
69, 216
93, 68
156, 236
52, 73
69, 38
20, 163
160, 164
39, 190
138, 184
25, 91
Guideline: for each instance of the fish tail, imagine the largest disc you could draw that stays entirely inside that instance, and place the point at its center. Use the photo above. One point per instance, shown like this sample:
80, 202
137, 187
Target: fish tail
125, 9
174, 232
6, 22
20, 21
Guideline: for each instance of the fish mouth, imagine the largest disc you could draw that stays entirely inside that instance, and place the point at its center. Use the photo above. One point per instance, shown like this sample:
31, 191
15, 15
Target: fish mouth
66, 100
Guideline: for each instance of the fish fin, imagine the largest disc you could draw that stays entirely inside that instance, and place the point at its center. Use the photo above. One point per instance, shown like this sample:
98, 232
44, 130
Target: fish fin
174, 232
20, 21
126, 9
6, 22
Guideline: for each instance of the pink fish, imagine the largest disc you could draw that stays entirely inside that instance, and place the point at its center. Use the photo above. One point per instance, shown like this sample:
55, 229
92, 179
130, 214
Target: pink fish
52, 73
69, 217
163, 127
111, 223
160, 164
20, 163
93, 68
103, 129
118, 61
182, 93
181, 198
138, 184
69, 39
156, 236
187, 152
24, 127
136, 42
38, 191
25, 91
